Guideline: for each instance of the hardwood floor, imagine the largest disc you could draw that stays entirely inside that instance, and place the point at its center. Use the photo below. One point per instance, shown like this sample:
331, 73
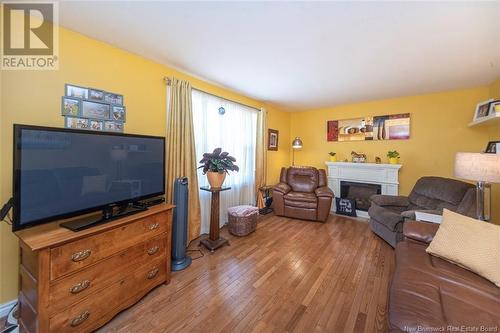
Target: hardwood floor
288, 276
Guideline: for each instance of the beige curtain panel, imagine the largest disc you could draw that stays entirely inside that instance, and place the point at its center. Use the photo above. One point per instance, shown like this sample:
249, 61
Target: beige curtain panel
260, 157
180, 154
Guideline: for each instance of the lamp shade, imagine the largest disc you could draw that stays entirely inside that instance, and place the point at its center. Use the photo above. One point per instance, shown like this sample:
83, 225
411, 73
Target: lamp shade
478, 167
297, 143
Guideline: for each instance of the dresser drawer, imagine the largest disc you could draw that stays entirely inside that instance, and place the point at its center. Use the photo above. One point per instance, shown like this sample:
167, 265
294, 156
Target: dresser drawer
81, 253
71, 289
84, 316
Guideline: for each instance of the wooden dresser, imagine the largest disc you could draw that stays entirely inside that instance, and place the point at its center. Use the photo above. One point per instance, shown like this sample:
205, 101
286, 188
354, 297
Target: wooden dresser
77, 281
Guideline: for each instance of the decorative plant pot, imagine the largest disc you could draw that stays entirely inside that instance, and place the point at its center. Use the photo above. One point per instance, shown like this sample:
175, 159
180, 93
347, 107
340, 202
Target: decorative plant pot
393, 160
333, 158
215, 179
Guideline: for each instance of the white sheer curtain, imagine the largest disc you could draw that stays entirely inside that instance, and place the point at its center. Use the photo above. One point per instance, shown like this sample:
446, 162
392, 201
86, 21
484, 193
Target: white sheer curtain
235, 132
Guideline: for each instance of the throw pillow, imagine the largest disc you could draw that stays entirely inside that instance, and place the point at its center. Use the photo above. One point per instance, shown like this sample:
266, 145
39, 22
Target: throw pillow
469, 243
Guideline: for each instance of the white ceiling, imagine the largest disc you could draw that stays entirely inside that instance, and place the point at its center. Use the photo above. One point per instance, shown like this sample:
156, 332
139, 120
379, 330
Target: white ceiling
305, 55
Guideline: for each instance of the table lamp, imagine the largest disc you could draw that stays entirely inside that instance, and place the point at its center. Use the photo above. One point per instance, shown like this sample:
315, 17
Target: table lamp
296, 144
483, 169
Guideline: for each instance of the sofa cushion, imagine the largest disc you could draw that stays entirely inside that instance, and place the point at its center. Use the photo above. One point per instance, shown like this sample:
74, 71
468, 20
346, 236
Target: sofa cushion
385, 216
469, 243
428, 292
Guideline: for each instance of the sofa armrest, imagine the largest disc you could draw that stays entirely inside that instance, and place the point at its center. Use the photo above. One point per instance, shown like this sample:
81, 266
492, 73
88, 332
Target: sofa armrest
282, 188
324, 191
420, 231
390, 200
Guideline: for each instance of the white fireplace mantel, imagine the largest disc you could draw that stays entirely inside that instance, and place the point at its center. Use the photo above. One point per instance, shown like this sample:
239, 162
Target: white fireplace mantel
385, 175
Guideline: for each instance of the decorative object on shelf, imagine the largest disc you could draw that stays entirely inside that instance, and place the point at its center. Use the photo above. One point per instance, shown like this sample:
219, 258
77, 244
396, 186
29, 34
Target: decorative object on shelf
357, 157
393, 156
378, 160
493, 147
388, 127
272, 139
333, 156
92, 109
494, 107
70, 106
216, 165
345, 206
484, 169
482, 110
296, 144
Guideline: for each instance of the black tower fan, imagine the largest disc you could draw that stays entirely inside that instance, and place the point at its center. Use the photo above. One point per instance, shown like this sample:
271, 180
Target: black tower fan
179, 229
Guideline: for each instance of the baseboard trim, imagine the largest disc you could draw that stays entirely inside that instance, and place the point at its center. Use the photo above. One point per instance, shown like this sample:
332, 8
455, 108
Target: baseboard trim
6, 307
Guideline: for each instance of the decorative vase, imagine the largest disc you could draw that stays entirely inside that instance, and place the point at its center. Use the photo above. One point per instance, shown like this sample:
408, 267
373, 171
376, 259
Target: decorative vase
333, 158
215, 179
393, 160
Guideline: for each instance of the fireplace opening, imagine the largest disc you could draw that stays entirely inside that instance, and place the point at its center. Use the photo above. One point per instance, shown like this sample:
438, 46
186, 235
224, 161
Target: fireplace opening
360, 192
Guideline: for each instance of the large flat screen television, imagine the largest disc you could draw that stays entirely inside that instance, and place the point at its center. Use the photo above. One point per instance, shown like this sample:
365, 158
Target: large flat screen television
61, 173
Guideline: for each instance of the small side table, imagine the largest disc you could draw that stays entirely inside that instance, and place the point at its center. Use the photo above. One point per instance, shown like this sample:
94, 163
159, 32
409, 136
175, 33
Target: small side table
214, 241
266, 194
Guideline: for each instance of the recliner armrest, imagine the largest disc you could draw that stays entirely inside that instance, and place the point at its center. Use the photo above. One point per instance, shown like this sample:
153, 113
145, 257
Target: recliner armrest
420, 231
390, 200
324, 191
282, 188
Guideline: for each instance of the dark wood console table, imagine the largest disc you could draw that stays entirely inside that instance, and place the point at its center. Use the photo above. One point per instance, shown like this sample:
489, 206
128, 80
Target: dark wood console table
214, 241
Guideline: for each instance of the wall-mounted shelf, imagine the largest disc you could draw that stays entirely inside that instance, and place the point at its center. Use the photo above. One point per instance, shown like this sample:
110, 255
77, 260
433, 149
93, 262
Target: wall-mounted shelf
491, 120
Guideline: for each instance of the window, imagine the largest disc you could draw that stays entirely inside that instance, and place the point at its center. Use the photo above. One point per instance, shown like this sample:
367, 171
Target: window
235, 132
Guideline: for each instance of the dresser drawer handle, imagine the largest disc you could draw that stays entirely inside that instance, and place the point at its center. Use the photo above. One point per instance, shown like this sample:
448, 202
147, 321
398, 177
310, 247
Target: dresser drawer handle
154, 226
81, 255
153, 273
79, 287
153, 250
80, 318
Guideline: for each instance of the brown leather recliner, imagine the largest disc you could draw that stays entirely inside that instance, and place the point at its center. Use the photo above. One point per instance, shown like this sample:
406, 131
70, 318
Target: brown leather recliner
302, 194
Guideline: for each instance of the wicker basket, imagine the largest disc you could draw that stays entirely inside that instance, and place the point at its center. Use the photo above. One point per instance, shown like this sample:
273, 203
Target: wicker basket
242, 225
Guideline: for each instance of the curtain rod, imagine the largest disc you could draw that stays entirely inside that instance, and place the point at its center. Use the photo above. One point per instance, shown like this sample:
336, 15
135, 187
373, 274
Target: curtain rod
168, 82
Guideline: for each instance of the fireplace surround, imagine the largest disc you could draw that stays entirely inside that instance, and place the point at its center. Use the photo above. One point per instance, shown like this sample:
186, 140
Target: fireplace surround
366, 178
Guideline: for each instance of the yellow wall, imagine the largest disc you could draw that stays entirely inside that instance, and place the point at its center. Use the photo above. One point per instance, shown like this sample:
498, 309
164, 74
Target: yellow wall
33, 97
278, 120
438, 130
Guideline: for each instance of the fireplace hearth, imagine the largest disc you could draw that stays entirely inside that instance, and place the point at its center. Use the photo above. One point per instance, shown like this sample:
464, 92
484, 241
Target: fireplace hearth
360, 192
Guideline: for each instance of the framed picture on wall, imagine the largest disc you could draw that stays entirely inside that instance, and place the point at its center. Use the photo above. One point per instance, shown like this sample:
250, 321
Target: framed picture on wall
494, 107
76, 91
96, 95
493, 147
118, 113
95, 110
70, 106
76, 123
113, 98
482, 110
272, 139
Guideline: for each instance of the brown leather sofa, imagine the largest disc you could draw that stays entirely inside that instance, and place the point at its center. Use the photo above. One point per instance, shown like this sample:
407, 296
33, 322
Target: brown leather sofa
430, 194
302, 194
429, 294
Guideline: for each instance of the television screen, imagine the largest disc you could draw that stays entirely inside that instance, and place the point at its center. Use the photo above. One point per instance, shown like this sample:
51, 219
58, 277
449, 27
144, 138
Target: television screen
60, 173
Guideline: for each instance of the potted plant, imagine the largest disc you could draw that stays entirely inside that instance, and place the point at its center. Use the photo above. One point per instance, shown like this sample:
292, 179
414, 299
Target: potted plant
393, 156
216, 165
333, 156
